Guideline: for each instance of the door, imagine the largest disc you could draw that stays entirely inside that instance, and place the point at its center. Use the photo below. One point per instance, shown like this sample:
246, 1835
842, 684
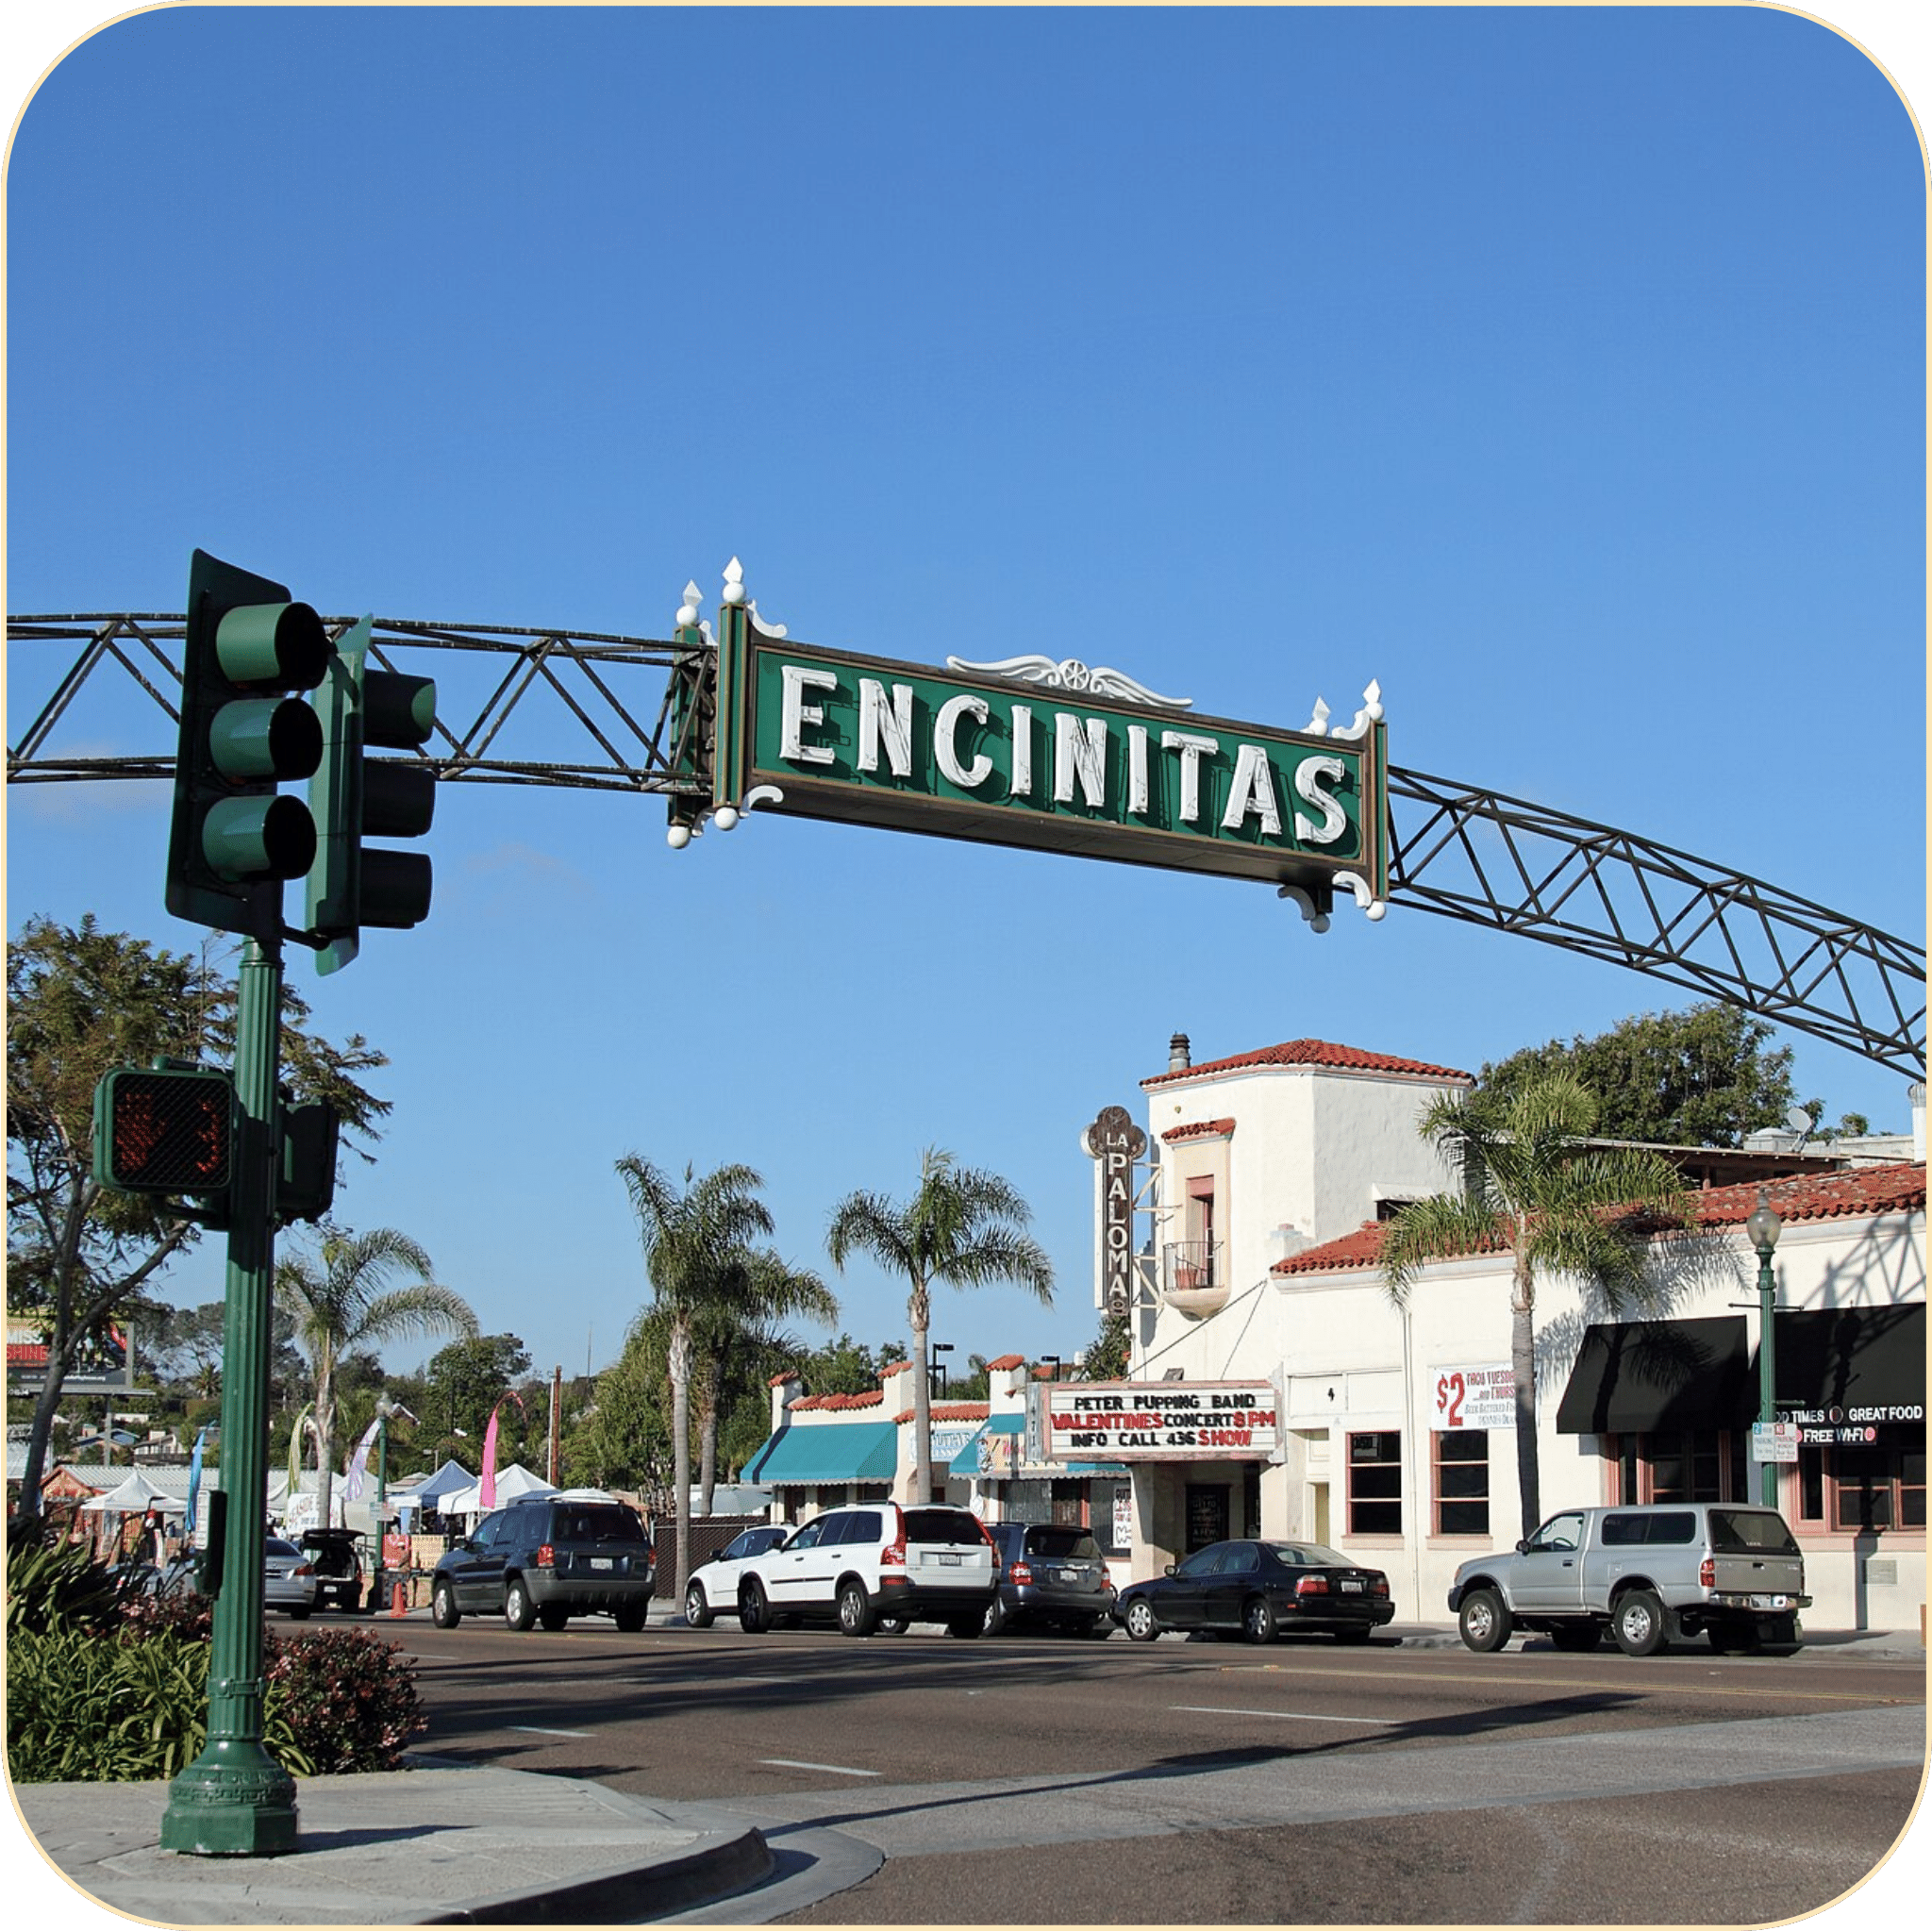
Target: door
1207, 1514
1231, 1586
798, 1576
478, 1578
1183, 1597
1549, 1572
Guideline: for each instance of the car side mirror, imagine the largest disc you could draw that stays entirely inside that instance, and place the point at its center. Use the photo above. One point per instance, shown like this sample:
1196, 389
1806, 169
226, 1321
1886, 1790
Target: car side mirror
1169, 1569
1522, 1545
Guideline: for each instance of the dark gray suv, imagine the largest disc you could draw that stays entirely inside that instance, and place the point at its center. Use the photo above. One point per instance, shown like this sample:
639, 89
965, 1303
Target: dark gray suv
1053, 1574
545, 1558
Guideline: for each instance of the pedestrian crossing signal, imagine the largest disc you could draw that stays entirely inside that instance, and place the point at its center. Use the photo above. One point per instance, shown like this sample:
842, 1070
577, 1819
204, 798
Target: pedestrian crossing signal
160, 1131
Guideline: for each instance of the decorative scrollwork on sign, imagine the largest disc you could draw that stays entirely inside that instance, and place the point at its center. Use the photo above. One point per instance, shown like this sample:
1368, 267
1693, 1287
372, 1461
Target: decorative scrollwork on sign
1070, 673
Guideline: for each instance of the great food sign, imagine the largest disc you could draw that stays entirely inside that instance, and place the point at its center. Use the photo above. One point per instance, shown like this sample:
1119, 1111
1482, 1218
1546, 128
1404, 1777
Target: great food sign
1055, 763
1122, 1419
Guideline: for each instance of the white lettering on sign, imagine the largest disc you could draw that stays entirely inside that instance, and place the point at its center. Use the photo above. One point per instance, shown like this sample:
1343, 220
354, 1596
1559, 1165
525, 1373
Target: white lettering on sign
1252, 790
1080, 753
1192, 746
887, 726
797, 681
1308, 787
1473, 1397
1160, 1418
946, 743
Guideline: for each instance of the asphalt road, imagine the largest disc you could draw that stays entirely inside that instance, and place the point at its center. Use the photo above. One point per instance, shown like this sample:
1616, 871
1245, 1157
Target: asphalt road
1055, 1781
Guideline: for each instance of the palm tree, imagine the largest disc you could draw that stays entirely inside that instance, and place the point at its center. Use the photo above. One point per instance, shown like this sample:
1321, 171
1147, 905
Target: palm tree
695, 1239
965, 1227
742, 1329
342, 1299
1535, 1186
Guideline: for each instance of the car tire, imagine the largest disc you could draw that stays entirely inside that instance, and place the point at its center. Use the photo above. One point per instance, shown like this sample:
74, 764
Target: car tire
519, 1611
1354, 1636
1578, 1638
442, 1606
995, 1617
855, 1612
890, 1625
1141, 1623
754, 1610
1098, 1629
1484, 1622
1257, 1620
966, 1627
632, 1617
552, 1620
697, 1612
298, 1615
1638, 1623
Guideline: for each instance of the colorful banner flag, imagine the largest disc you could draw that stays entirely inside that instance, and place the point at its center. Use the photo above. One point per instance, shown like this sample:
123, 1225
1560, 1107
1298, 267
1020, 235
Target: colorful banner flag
488, 1493
360, 1464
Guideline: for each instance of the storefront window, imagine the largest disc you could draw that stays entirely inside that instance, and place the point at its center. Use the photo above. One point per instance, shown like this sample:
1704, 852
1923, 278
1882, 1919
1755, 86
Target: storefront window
1462, 1481
1374, 1483
1683, 1465
1856, 1487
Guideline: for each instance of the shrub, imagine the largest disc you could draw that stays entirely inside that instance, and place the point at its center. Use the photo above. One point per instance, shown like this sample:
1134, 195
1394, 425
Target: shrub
349, 1698
53, 1585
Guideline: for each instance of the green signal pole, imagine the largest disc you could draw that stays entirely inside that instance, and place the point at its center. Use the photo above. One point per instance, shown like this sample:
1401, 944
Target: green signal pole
235, 1800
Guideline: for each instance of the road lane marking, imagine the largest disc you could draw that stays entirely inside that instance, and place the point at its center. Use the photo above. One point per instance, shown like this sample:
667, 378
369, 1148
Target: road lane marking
835, 1770
538, 1730
1293, 1716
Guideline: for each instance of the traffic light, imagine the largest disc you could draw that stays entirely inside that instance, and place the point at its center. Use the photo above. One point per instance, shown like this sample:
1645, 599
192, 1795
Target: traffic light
165, 1130
306, 1167
353, 797
234, 837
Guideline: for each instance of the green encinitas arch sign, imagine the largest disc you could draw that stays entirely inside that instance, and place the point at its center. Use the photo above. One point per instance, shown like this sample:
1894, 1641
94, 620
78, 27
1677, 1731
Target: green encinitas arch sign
1053, 757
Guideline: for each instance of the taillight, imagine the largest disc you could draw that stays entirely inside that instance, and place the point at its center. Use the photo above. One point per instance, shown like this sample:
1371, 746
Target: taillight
546, 1555
893, 1555
1378, 1585
1311, 1586
1020, 1573
303, 1569
1706, 1573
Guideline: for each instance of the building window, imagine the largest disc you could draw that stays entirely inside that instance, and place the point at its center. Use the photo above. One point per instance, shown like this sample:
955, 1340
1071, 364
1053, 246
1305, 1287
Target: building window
1462, 1481
1374, 1483
1683, 1465
1863, 1486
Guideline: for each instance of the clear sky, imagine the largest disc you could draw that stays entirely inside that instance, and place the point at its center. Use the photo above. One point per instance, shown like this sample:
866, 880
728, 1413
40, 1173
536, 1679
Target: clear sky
1561, 370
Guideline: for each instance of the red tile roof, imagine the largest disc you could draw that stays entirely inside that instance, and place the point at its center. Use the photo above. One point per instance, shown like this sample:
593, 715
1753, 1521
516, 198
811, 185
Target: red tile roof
951, 1411
1859, 1190
1310, 1052
1007, 1361
1201, 1130
875, 1399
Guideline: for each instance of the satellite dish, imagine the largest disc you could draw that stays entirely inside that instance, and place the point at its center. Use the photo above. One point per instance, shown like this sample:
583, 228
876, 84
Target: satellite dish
1799, 1121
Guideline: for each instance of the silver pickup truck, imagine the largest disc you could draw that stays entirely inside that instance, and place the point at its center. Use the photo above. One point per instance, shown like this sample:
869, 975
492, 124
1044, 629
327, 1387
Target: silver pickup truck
1647, 1573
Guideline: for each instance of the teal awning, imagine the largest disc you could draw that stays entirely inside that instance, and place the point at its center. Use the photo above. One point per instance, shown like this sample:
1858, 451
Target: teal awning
967, 1461
828, 1452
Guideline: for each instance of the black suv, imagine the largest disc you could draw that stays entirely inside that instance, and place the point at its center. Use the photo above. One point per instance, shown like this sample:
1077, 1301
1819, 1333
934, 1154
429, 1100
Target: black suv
338, 1567
545, 1558
1050, 1573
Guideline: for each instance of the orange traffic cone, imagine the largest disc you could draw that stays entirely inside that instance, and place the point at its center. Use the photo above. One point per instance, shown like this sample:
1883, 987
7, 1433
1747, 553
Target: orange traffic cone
398, 1602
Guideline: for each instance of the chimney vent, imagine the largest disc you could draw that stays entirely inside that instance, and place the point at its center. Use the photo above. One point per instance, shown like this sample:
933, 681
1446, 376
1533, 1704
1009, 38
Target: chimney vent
1179, 1057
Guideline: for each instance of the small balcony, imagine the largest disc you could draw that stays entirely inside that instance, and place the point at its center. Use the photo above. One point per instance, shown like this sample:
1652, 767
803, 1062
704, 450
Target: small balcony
1195, 1276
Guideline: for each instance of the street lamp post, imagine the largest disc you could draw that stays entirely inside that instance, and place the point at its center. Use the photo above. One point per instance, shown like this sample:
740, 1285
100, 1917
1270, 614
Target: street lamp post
938, 1379
1761, 1230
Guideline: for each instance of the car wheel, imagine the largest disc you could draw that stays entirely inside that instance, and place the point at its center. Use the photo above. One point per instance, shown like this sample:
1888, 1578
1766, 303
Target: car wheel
965, 1627
442, 1608
754, 1612
854, 1609
1257, 1620
1638, 1624
1353, 1635
697, 1612
519, 1611
1484, 1621
1098, 1627
632, 1617
1141, 1621
890, 1625
1782, 1633
298, 1615
995, 1619
552, 1620
1579, 1639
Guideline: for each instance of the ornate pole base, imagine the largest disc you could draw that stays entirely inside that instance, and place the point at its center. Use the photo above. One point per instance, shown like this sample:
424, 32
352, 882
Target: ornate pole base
233, 1801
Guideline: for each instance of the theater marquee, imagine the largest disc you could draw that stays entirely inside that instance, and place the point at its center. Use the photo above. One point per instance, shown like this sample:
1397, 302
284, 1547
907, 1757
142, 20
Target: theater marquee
1161, 1420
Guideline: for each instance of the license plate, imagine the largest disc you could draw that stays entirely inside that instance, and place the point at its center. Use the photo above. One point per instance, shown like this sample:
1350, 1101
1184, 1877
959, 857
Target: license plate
1771, 1601
600, 1561
1350, 1588
947, 1561
1070, 1578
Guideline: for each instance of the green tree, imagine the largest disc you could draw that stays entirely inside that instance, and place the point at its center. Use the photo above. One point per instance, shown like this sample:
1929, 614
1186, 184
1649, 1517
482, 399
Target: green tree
1534, 1188
963, 1229
464, 1381
695, 1239
81, 1258
1106, 1353
1700, 1077
845, 1366
341, 1298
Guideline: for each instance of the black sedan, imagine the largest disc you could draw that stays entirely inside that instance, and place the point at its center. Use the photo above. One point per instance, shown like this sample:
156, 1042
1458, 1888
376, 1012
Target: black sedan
1259, 1589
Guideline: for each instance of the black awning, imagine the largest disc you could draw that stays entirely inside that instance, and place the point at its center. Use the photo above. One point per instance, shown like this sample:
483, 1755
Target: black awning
1634, 1376
1852, 1358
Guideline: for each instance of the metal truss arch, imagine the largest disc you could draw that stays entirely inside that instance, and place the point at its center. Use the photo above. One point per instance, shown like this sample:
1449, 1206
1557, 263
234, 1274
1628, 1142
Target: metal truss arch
601, 710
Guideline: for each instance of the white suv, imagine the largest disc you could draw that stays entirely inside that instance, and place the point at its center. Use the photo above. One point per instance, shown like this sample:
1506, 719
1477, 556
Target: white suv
872, 1563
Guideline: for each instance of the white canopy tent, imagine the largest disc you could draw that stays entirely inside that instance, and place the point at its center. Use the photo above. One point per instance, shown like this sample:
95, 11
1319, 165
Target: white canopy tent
135, 1496
511, 1483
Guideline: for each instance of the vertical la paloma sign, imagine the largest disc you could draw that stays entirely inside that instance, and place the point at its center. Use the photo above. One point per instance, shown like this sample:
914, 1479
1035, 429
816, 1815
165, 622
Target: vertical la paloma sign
1114, 1143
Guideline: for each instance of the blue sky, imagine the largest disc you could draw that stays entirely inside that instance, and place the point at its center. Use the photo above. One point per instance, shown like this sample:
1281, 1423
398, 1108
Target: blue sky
1561, 370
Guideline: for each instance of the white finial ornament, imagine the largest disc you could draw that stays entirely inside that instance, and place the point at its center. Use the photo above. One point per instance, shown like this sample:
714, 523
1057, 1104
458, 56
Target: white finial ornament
687, 610
734, 583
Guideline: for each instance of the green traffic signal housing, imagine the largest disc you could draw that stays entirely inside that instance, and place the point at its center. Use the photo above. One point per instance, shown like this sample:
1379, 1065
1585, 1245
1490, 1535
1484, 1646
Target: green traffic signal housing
353, 797
165, 1129
234, 837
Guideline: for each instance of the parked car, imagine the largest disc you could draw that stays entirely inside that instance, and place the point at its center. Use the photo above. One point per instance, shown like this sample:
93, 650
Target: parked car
874, 1562
1050, 1574
1259, 1587
1647, 1573
545, 1558
287, 1578
338, 1567
713, 1585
